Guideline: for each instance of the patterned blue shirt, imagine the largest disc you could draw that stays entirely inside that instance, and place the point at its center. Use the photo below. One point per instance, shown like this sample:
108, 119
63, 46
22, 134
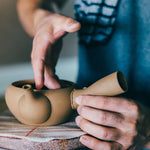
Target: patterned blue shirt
115, 35
97, 18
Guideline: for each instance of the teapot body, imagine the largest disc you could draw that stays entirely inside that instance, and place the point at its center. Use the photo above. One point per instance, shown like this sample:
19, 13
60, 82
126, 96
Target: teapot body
39, 107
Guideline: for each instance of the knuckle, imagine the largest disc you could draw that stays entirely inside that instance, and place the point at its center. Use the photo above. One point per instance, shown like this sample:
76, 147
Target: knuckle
110, 134
104, 102
135, 109
102, 117
105, 135
117, 118
133, 126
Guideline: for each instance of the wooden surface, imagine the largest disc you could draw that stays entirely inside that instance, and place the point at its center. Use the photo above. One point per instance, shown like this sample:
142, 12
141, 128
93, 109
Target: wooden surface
16, 136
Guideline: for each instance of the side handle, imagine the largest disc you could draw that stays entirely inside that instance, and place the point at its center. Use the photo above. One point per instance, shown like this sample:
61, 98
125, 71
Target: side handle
111, 85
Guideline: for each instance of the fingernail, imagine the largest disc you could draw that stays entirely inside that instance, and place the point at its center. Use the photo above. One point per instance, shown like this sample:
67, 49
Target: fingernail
78, 100
78, 120
84, 140
39, 85
73, 24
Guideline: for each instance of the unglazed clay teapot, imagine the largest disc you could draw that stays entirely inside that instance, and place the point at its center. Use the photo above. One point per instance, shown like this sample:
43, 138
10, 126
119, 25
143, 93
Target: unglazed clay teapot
54, 106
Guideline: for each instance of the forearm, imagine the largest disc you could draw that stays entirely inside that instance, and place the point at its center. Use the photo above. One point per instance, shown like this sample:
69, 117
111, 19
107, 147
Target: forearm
26, 9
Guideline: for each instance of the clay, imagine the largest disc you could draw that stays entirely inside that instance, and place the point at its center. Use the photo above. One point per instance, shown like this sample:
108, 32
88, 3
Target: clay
54, 106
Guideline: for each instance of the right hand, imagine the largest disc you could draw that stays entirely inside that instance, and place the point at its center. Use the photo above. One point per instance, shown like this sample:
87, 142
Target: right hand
47, 43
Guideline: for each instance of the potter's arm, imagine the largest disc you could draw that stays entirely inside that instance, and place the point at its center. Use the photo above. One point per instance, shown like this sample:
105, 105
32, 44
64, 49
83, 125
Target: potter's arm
47, 28
27, 11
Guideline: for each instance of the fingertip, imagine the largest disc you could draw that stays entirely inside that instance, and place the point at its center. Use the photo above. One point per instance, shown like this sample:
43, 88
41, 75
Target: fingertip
38, 84
78, 120
38, 73
73, 26
39, 81
52, 84
84, 140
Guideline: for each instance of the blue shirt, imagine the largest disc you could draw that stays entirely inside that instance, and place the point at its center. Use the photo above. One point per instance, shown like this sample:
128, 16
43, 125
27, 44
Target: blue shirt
115, 40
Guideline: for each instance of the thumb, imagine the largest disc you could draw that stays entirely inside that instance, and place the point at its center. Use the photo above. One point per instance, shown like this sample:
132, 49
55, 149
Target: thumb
66, 25
71, 25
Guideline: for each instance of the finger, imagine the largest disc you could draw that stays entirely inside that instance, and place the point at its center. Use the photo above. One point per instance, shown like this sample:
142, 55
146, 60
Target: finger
96, 144
37, 70
100, 117
64, 24
40, 44
115, 104
38, 73
100, 132
109, 119
50, 80
71, 25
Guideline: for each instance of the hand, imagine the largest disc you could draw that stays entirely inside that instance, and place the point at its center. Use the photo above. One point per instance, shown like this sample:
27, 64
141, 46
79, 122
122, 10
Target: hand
112, 123
47, 43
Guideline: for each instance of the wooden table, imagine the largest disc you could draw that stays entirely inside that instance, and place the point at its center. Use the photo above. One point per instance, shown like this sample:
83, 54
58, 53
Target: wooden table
14, 135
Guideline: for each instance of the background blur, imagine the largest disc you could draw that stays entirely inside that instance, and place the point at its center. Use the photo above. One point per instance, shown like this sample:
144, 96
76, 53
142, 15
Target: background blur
16, 45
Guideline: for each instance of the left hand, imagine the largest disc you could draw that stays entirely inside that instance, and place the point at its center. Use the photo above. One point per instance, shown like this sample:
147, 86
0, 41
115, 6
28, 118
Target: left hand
112, 123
